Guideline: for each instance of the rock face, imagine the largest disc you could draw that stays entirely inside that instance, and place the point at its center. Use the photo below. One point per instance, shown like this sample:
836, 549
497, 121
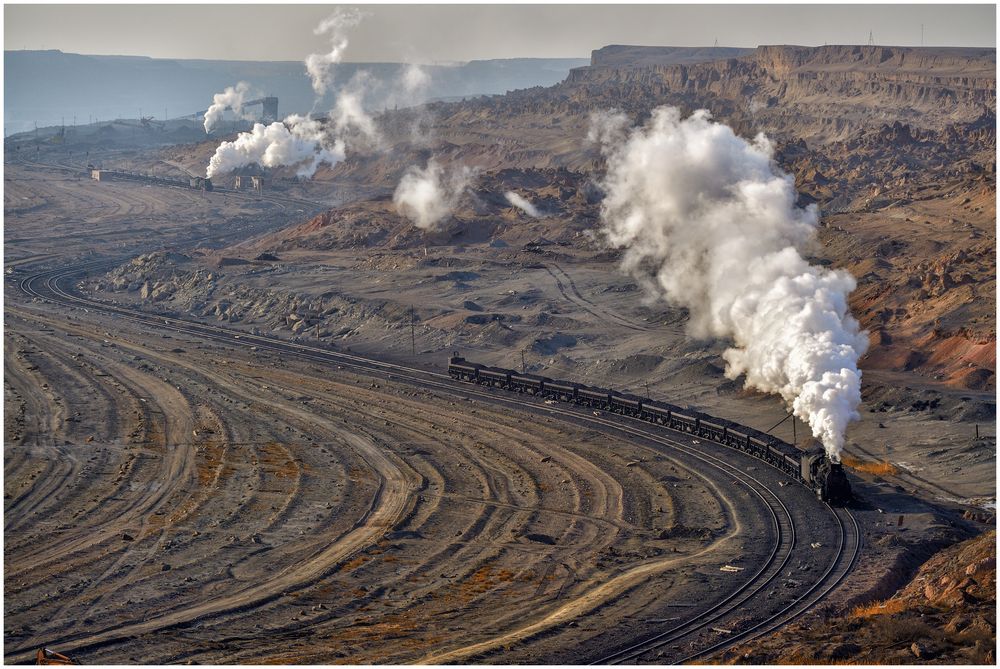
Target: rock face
619, 55
813, 83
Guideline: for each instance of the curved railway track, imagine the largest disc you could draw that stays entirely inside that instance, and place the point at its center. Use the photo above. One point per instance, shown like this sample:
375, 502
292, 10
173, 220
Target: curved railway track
50, 285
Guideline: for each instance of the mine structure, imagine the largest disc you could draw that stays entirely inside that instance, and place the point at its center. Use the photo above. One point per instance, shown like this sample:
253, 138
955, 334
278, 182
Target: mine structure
250, 183
249, 178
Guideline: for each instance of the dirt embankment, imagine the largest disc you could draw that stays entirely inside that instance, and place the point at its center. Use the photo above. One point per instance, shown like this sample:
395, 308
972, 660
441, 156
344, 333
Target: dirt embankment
945, 615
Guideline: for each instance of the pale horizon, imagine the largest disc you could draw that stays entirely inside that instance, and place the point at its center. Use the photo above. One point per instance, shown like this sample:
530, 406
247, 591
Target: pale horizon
460, 33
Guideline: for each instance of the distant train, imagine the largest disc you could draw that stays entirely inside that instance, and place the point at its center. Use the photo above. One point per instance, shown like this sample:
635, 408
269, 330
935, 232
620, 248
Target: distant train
200, 183
812, 468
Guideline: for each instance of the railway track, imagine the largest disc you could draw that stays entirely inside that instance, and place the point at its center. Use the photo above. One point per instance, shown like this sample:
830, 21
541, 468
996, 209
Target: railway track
305, 205
50, 285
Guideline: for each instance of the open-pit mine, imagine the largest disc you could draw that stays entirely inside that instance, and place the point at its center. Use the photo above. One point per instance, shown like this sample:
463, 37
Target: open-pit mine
689, 357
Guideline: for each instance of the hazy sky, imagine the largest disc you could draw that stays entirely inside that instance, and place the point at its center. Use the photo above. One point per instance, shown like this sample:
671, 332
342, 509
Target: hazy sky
436, 33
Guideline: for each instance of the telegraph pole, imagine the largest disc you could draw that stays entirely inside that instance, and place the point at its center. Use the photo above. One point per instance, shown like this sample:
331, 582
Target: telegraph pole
647, 390
522, 361
794, 437
413, 334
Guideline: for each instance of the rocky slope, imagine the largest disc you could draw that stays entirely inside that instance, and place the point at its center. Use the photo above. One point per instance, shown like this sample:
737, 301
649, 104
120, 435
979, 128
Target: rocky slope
945, 615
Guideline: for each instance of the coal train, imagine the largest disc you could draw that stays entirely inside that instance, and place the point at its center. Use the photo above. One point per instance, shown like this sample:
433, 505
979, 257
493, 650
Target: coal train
812, 468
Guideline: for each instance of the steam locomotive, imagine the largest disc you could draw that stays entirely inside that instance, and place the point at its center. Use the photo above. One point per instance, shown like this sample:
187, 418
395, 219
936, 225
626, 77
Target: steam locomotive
812, 467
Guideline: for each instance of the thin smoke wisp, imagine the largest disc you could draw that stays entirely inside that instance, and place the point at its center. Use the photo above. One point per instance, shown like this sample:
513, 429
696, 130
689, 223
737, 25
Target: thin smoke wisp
351, 120
319, 66
708, 222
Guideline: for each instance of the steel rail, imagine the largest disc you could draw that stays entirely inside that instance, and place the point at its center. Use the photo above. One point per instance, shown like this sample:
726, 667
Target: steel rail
777, 620
51, 280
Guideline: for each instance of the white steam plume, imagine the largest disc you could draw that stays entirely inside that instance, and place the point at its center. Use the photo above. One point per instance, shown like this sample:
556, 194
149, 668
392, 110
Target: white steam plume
231, 98
295, 141
414, 80
320, 65
523, 204
350, 119
427, 196
715, 221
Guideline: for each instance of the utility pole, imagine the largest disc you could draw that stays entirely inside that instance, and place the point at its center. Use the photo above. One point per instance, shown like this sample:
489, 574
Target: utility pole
413, 334
647, 390
522, 361
921, 34
794, 437
871, 39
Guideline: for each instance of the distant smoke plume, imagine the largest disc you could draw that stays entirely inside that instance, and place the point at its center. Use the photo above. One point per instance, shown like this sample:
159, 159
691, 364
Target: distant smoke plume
320, 65
350, 119
427, 196
231, 98
298, 141
710, 223
522, 204
414, 80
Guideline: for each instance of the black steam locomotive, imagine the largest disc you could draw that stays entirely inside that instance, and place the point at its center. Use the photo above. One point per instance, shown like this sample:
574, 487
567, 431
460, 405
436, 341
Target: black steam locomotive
813, 468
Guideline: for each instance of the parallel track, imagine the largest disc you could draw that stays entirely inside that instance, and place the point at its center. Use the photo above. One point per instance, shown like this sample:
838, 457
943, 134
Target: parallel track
49, 286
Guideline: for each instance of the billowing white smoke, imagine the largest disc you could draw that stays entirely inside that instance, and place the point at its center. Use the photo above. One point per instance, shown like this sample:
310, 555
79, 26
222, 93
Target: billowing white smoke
320, 65
715, 222
522, 203
231, 98
427, 196
295, 141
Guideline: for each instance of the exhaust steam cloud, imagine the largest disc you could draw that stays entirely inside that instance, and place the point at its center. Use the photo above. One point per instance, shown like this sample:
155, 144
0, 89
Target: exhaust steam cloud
302, 141
297, 140
231, 98
710, 223
523, 204
428, 195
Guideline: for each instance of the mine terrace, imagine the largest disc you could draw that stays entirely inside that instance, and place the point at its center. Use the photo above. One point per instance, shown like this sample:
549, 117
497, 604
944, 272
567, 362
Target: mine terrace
427, 403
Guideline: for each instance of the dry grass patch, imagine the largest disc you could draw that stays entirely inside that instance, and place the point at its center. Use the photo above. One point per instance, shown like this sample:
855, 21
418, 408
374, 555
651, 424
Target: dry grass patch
878, 468
878, 608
